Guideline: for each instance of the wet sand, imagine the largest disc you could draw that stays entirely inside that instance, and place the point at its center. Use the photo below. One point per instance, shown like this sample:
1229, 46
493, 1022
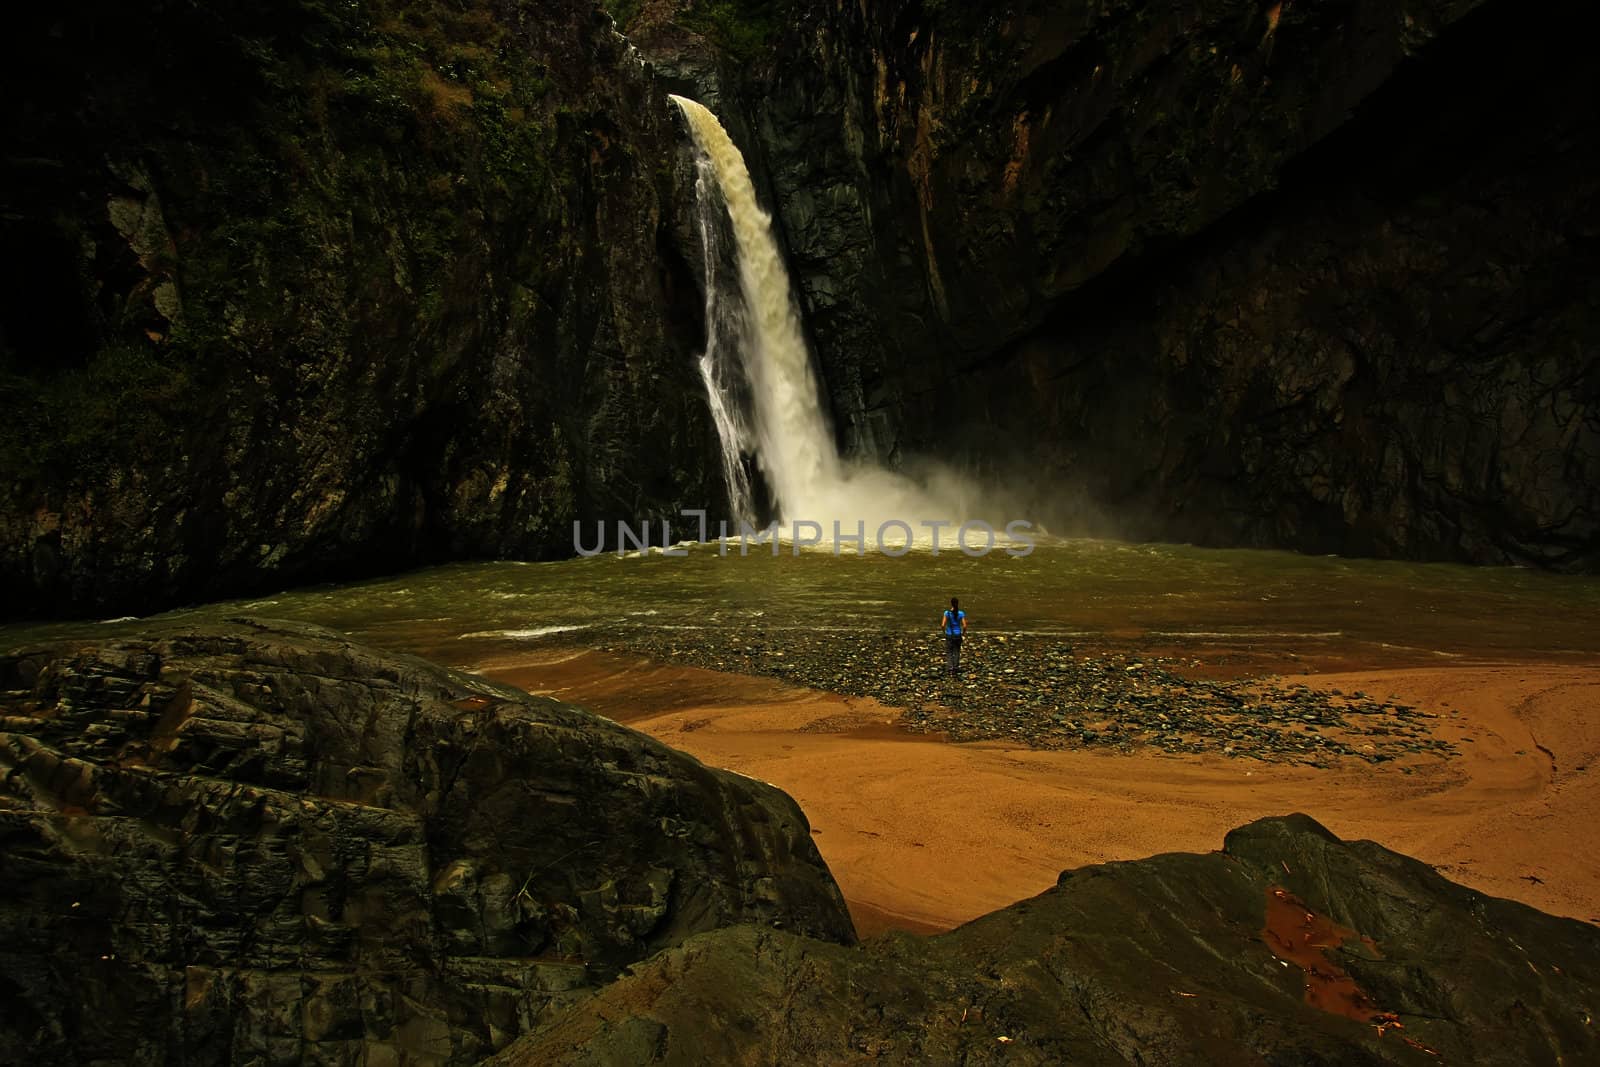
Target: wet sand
923, 835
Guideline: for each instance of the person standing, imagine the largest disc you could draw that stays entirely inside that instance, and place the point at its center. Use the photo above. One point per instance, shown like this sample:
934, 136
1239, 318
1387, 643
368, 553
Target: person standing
955, 628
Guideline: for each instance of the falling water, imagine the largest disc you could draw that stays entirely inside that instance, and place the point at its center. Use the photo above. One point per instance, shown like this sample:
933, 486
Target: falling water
754, 341
792, 441
725, 326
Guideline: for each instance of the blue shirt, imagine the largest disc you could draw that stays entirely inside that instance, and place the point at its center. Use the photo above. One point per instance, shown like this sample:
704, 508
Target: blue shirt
954, 621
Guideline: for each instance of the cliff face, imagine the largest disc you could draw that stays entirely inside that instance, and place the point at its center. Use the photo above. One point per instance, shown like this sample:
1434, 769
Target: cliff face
1312, 275
309, 291
312, 291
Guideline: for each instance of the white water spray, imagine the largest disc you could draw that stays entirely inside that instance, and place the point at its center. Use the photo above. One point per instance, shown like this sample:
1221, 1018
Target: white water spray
786, 432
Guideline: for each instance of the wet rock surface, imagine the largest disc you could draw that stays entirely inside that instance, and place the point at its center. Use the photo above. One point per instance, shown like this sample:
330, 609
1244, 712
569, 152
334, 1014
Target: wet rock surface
1044, 693
1176, 959
261, 843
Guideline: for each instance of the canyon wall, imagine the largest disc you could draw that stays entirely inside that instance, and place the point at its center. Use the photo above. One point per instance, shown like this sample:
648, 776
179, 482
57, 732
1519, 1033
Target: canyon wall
318, 290
328, 290
1319, 275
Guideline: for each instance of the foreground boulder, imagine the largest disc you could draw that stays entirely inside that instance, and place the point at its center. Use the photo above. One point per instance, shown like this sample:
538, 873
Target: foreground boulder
1288, 947
264, 844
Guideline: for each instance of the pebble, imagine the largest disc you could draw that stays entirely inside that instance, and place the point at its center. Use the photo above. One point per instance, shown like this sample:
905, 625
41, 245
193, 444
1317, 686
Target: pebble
1047, 694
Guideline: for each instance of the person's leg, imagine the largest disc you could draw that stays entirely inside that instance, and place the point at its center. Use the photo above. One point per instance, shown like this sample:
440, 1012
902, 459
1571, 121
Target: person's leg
950, 653
955, 655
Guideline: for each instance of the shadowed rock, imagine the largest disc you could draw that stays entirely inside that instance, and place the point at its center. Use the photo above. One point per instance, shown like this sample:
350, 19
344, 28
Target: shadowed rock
264, 844
1167, 960
1311, 275
306, 290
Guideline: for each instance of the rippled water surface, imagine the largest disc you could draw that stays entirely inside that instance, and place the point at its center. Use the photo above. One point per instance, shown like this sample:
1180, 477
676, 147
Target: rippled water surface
1092, 589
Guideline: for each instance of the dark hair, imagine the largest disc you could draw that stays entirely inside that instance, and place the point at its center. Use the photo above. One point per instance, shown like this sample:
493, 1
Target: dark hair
955, 603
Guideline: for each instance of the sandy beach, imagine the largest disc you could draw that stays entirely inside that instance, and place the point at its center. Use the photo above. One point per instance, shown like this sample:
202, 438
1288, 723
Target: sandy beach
923, 834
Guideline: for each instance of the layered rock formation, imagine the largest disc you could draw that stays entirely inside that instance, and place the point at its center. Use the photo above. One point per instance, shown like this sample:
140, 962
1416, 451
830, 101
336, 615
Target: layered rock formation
329, 289
262, 844
1287, 947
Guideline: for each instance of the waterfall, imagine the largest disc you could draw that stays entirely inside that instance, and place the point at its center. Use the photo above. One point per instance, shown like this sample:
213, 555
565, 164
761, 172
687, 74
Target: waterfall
791, 438
763, 395
719, 370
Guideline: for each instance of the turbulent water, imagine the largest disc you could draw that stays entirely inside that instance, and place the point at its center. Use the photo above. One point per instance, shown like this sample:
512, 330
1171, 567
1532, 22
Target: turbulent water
755, 347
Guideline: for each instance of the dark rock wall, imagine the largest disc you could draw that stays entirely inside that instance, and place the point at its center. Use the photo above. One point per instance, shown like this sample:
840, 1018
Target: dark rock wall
317, 290
263, 844
323, 289
1312, 275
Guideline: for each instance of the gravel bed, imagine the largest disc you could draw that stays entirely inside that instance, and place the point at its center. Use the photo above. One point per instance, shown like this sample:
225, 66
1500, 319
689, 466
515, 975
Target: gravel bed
1045, 693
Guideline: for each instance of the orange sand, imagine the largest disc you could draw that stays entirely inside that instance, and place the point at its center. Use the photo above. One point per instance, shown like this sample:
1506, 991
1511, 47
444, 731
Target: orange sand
924, 835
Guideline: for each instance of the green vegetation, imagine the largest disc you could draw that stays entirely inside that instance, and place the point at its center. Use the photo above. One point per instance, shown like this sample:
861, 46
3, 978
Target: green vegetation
745, 29
88, 421
321, 166
623, 12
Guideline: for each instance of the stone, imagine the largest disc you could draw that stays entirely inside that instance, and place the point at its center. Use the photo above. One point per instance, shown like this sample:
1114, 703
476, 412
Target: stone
1178, 959
410, 330
318, 852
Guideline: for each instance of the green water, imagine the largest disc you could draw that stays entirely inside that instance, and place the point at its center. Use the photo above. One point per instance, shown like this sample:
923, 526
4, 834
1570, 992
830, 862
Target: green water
1090, 589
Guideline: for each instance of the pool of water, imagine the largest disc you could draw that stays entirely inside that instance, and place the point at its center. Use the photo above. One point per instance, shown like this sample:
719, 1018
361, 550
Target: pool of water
1087, 590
